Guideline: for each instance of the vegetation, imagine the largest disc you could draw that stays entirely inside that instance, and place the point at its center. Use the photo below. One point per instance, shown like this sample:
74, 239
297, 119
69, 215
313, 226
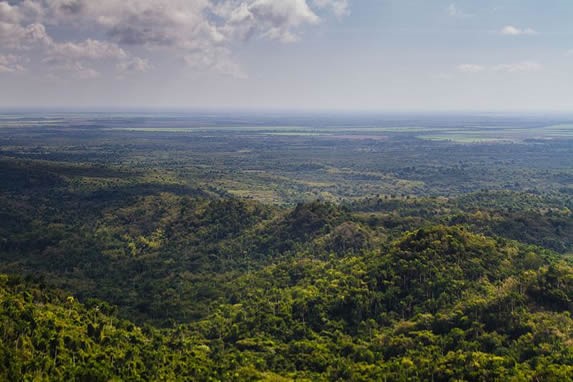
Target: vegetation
141, 261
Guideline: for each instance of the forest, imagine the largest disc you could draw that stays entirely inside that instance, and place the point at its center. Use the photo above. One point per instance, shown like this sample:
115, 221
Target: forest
279, 248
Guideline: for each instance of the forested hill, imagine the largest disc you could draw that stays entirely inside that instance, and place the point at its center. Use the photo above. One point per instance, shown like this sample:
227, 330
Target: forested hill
436, 303
115, 275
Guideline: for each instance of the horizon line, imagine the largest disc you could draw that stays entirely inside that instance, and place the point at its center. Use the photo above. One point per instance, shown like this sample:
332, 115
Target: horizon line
255, 110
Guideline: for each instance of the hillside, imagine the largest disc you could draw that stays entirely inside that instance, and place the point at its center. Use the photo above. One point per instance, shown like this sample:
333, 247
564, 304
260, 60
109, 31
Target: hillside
114, 273
437, 303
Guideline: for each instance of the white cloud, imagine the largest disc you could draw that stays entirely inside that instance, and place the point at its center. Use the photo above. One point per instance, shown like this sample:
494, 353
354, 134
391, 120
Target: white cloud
9, 13
525, 66
510, 30
11, 63
16, 36
517, 67
72, 69
339, 7
218, 60
134, 65
454, 11
88, 49
270, 19
81, 72
188, 28
471, 68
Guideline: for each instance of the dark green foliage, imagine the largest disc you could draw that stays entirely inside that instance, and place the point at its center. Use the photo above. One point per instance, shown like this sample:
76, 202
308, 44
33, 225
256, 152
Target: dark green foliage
440, 303
252, 292
46, 335
132, 256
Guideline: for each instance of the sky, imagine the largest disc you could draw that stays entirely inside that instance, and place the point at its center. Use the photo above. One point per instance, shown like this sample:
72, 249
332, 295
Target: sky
339, 55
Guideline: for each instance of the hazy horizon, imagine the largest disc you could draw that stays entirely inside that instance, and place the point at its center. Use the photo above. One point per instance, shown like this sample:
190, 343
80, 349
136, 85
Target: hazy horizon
286, 112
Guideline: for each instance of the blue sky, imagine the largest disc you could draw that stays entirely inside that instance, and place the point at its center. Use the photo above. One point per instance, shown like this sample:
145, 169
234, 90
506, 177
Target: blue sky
383, 55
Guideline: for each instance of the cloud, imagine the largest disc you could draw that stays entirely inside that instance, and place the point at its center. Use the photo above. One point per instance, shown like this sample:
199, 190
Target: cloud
16, 36
71, 70
11, 63
134, 65
88, 49
81, 72
517, 67
8, 13
471, 68
454, 11
219, 61
270, 19
186, 28
510, 30
525, 66
339, 7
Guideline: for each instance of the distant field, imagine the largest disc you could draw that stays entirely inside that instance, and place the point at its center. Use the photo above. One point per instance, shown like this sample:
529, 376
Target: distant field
289, 158
465, 135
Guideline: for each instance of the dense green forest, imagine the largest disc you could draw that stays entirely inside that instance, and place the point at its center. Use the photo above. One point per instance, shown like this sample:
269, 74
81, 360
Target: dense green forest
147, 261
